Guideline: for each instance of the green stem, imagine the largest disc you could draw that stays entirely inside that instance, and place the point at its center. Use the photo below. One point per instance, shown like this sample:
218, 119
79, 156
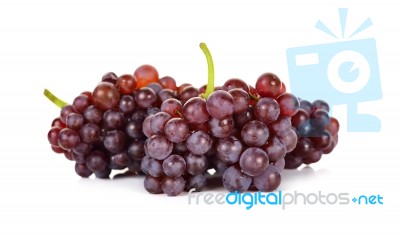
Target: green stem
54, 99
210, 64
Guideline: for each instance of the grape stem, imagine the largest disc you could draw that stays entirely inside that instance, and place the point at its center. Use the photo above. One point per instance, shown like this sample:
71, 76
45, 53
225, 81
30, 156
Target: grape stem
54, 99
210, 64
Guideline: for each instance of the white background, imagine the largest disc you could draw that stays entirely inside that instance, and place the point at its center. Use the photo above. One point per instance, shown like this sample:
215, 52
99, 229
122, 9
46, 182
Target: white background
66, 46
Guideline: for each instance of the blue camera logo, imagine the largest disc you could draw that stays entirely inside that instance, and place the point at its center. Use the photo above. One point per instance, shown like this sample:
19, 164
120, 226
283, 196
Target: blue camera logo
345, 72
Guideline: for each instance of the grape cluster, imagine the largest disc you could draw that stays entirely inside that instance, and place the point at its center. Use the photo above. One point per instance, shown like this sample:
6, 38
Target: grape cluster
176, 134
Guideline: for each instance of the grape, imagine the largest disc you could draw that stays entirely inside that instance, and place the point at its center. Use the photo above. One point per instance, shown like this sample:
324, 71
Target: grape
280, 164
58, 123
180, 148
188, 93
322, 141
254, 161
197, 182
120, 159
96, 161
275, 149
159, 147
165, 94
254, 96
319, 119
174, 165
134, 166
90, 132
221, 128
153, 185
106, 96
155, 86
307, 106
68, 138
300, 117
158, 122
52, 135
242, 118
115, 141
113, 120
195, 111
93, 115
65, 111
74, 121
82, 149
289, 139
155, 168
127, 104
82, 170
134, 129
235, 83
148, 132
145, 97
104, 174
288, 103
110, 77
145, 75
333, 126
320, 104
313, 157
240, 100
136, 149
57, 149
255, 133
293, 161
168, 82
81, 102
220, 104
329, 148
68, 155
281, 126
198, 142
267, 110
139, 115
304, 146
228, 150
173, 186
172, 106
235, 180
196, 164
144, 166
182, 87
152, 110
176, 130
269, 180
268, 85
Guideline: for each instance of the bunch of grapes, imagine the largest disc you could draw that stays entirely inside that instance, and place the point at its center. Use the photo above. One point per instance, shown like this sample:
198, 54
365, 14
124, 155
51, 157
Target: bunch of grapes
176, 134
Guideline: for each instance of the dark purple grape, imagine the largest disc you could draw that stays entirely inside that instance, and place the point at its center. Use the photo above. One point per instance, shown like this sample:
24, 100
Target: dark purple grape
134, 166
113, 120
176, 130
282, 125
322, 141
196, 164
68, 139
165, 94
136, 149
228, 150
275, 149
293, 161
65, 111
172, 106
221, 128
197, 182
139, 115
240, 100
242, 118
269, 180
155, 86
120, 159
93, 115
104, 174
115, 141
127, 104
267, 110
158, 121
306, 106
153, 185
75, 121
188, 93
195, 111
329, 148
52, 135
152, 111
174, 165
173, 186
255, 134
313, 157
180, 148
198, 142
280, 164
220, 104
159, 147
300, 117
268, 85
254, 161
96, 161
81, 102
168, 82
235, 180
304, 146
288, 103
82, 148
145, 97
90, 133
289, 139
134, 130
319, 119
147, 131
155, 167
144, 166
58, 123
82, 170
320, 104
109, 77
